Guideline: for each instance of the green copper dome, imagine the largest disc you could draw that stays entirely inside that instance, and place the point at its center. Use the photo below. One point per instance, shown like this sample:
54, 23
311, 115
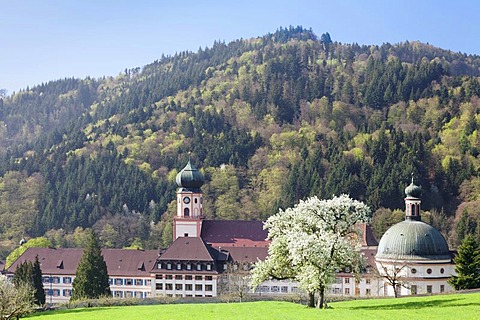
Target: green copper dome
413, 240
413, 191
190, 177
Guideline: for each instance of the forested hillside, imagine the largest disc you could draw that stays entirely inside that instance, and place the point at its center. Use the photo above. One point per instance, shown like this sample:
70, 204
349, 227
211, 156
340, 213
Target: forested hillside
270, 120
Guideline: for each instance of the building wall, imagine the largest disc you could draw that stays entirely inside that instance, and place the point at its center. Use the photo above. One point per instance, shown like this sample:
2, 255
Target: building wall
58, 288
185, 285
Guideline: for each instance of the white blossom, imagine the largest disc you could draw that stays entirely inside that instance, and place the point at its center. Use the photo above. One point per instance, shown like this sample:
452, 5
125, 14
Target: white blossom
310, 241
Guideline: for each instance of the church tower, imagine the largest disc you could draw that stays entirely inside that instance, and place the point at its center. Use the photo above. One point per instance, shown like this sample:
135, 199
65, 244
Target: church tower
412, 202
188, 220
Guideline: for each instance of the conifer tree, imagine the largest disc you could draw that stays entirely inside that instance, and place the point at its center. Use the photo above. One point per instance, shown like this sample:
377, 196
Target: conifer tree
30, 274
467, 265
91, 280
38, 283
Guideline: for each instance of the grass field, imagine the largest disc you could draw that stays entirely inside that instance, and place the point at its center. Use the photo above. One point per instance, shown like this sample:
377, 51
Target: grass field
455, 306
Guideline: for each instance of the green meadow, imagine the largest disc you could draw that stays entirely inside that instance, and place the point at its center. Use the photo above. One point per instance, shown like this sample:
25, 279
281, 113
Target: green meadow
455, 306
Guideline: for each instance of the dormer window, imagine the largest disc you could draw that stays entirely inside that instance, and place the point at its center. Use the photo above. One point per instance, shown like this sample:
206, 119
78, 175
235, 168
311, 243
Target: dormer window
179, 266
159, 266
169, 266
209, 267
189, 266
199, 267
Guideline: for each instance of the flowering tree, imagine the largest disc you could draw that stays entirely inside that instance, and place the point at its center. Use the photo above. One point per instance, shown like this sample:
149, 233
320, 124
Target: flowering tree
310, 242
15, 301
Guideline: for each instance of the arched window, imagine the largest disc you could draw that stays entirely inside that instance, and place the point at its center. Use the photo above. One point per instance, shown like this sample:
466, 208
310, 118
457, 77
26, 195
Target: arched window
186, 212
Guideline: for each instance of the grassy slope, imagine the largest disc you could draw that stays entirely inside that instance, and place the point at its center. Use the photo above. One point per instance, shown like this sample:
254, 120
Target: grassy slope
458, 306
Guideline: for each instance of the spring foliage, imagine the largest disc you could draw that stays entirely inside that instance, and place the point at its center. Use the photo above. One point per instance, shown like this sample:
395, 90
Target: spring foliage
311, 241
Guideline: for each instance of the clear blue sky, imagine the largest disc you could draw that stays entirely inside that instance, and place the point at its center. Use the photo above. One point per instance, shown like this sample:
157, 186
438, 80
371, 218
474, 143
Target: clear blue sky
42, 40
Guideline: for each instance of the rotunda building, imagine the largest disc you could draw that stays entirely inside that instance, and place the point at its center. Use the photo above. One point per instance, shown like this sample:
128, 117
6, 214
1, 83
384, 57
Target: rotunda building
413, 257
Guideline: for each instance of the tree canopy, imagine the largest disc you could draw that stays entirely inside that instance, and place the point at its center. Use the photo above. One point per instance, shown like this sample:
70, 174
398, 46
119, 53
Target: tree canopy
91, 278
15, 300
467, 265
311, 241
289, 115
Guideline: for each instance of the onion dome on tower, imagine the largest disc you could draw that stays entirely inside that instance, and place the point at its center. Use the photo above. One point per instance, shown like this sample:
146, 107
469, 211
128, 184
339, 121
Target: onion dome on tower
190, 177
413, 191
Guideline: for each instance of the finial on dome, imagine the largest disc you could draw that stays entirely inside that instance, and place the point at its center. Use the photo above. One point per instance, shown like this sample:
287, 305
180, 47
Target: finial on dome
413, 191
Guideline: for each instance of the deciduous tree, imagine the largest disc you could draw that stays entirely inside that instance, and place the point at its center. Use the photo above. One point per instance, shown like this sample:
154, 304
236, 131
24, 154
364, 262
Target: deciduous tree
310, 242
15, 301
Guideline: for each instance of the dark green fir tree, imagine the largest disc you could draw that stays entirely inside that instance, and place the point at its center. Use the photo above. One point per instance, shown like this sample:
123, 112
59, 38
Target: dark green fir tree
23, 274
91, 279
28, 273
467, 265
38, 282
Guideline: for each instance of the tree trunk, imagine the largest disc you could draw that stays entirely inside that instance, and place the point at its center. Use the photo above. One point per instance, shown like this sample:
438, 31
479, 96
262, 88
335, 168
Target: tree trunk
321, 299
311, 299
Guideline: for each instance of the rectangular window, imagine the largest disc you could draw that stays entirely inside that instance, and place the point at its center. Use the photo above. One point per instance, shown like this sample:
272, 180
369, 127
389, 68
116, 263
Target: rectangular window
148, 282
367, 281
338, 280
284, 289
209, 278
128, 282
275, 289
198, 278
178, 286
139, 282
56, 279
46, 279
413, 289
188, 277
168, 286
208, 287
158, 276
67, 292
347, 290
128, 294
118, 282
178, 277
169, 277
198, 287
368, 292
442, 288
159, 266
179, 266
188, 287
119, 294
169, 266
199, 267
347, 280
159, 286
429, 289
189, 266
209, 267
67, 280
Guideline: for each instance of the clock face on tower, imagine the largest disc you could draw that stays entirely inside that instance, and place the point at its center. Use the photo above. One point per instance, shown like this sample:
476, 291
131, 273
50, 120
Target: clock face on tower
186, 200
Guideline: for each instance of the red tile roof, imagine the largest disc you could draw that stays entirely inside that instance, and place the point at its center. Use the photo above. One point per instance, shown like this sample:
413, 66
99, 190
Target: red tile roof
234, 233
64, 261
247, 254
367, 238
189, 249
135, 263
